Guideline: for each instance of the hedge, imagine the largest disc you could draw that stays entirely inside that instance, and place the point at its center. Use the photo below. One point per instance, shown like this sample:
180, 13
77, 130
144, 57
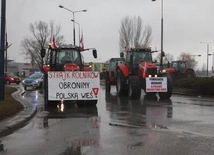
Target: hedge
204, 86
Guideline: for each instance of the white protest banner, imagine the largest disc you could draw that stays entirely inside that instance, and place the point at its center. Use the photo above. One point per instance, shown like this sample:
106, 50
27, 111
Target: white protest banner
156, 84
76, 85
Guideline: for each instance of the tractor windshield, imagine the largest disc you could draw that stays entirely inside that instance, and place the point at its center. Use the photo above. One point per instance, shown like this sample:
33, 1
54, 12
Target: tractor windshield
180, 65
68, 56
141, 56
114, 64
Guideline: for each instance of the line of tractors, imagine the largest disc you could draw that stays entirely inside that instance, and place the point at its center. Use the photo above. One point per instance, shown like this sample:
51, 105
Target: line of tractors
131, 73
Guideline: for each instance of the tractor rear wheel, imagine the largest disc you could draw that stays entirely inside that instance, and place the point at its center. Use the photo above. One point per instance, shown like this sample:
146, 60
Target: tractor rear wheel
47, 102
134, 87
173, 76
189, 73
168, 94
107, 83
121, 84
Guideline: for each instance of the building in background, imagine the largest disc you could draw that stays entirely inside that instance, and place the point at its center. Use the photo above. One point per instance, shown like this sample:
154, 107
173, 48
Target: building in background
97, 66
19, 68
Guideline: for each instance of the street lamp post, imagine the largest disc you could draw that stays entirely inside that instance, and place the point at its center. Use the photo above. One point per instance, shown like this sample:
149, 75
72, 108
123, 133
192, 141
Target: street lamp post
73, 12
213, 61
207, 54
2, 48
79, 29
161, 59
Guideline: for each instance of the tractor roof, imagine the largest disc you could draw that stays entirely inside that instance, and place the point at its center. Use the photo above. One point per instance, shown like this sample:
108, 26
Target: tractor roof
69, 46
117, 59
140, 50
179, 61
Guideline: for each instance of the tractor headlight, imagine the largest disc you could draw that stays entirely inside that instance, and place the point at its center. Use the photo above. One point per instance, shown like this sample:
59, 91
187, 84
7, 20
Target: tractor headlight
150, 75
164, 71
156, 75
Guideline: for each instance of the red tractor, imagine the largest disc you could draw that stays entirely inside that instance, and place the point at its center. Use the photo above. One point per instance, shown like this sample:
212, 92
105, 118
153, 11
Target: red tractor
58, 62
178, 69
140, 72
110, 78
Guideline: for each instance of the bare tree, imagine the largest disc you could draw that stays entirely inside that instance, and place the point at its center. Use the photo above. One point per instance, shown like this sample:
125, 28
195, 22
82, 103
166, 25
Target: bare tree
41, 35
134, 34
166, 58
191, 62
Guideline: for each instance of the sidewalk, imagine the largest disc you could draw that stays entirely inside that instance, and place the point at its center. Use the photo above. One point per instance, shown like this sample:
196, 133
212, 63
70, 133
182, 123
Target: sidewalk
9, 125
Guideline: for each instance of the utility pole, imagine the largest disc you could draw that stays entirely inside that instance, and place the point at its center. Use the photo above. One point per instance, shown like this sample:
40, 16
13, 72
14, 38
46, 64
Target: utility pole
161, 61
2, 45
6, 53
207, 59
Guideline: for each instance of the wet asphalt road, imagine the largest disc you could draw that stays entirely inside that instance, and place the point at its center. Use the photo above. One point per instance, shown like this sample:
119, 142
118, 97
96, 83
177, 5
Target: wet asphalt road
181, 125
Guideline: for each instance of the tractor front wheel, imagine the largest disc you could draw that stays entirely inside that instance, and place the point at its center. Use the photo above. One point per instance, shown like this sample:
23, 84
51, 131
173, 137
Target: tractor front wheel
121, 84
189, 73
107, 83
134, 87
168, 94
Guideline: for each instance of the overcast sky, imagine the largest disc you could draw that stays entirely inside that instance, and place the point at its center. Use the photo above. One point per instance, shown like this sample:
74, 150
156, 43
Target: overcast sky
186, 24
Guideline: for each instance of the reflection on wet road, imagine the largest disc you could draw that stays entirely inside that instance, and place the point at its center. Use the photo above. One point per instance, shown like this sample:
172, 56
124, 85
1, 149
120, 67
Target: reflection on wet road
180, 113
116, 125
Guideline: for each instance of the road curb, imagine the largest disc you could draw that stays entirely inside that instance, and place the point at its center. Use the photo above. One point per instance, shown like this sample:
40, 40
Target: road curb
20, 119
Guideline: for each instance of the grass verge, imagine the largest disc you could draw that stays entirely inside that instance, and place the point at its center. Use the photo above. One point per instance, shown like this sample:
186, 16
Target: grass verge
9, 106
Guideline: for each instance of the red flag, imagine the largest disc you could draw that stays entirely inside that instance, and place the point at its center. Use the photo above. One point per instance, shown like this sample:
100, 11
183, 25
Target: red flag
82, 43
54, 42
128, 48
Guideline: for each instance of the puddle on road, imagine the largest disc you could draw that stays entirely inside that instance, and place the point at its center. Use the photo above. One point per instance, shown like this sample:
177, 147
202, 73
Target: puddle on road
149, 112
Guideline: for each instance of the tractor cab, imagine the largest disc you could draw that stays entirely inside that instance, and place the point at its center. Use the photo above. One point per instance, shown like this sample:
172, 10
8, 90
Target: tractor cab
178, 69
139, 60
114, 62
66, 58
178, 65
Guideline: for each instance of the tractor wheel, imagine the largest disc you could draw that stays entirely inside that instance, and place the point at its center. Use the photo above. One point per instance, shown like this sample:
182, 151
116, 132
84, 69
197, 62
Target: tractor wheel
189, 73
46, 97
121, 85
168, 94
108, 87
134, 88
173, 76
107, 83
46, 101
